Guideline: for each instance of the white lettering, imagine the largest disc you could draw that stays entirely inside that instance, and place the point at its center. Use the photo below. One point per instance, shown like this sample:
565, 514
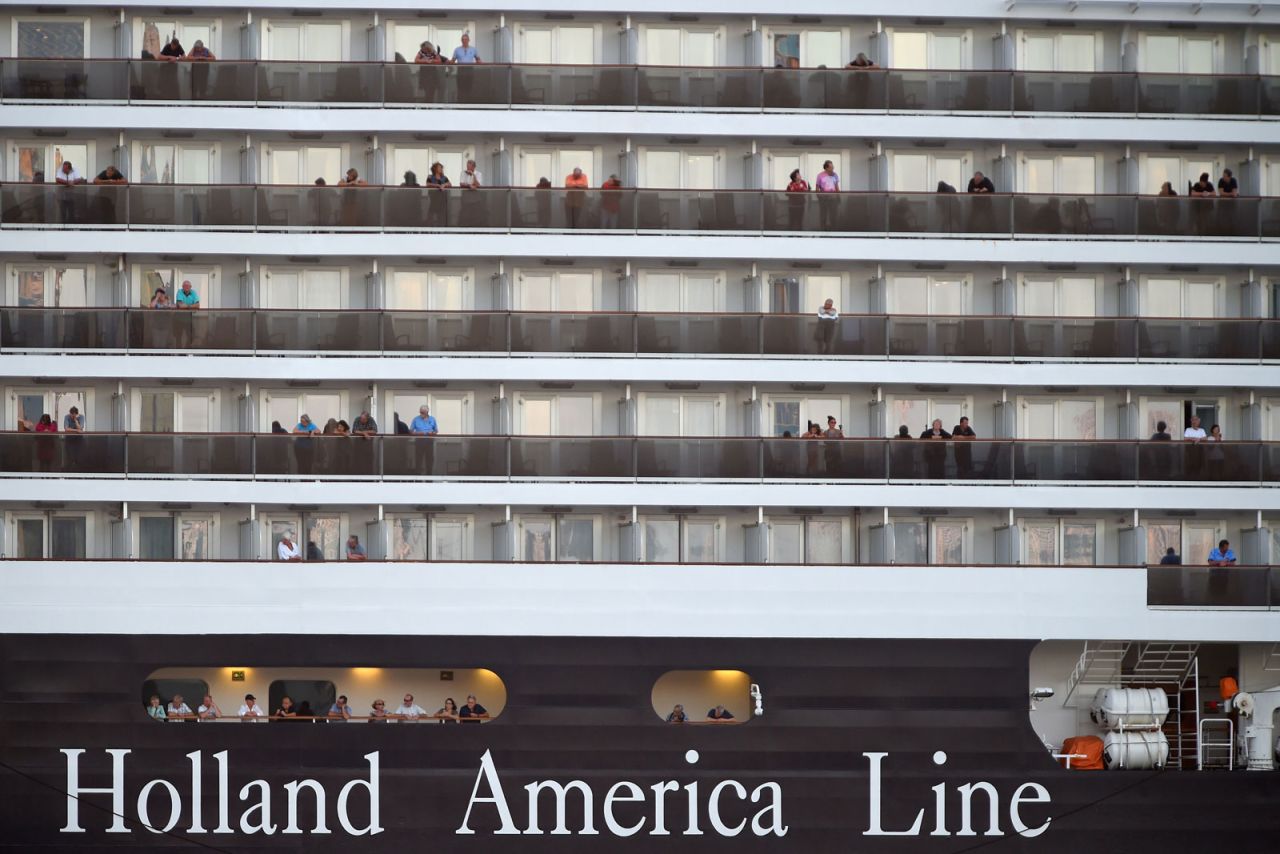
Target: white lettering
224, 795
175, 805
293, 789
775, 808
490, 775
875, 828
966, 807
633, 795
370, 785
262, 807
713, 807
74, 791
197, 823
692, 790
660, 806
1041, 797
562, 796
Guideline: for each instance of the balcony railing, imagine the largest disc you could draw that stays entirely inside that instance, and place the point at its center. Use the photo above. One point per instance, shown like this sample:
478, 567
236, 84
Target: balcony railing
271, 456
499, 333
632, 87
279, 207
1252, 587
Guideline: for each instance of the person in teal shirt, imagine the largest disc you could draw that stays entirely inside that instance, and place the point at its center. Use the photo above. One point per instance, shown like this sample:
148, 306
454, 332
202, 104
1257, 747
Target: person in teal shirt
155, 710
187, 296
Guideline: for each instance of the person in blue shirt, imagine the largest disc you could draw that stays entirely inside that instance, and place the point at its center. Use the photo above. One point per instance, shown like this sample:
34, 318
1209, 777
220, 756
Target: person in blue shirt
465, 54
305, 424
1222, 555
304, 449
187, 297
424, 425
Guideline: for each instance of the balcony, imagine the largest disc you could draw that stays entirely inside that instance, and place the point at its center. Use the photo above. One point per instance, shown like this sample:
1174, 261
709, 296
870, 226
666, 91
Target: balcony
498, 333
525, 458
630, 87
270, 208
1200, 587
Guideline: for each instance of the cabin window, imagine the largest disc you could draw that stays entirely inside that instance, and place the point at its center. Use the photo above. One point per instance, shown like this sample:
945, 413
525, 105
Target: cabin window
710, 697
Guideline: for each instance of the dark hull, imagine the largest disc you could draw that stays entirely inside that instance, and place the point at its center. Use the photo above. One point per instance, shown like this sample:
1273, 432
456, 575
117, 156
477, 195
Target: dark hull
579, 709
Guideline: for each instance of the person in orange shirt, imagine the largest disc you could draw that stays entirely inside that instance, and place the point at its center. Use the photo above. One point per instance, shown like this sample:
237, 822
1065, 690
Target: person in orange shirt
610, 202
575, 200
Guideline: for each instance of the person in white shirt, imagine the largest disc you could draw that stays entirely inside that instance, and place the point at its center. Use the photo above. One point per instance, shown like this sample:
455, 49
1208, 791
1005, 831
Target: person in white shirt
288, 550
178, 709
409, 710
68, 174
1194, 433
828, 311
827, 317
250, 710
208, 710
470, 176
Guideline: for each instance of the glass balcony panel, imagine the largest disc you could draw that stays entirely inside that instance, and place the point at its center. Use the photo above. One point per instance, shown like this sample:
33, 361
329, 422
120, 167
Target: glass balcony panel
975, 91
804, 334
854, 459
319, 82
823, 89
444, 456
1270, 339
333, 331
935, 460
27, 204
62, 328
316, 455
1073, 92
1191, 338
96, 205
319, 207
417, 208
61, 453
1212, 586
695, 457
697, 333
1074, 338
1270, 454
1203, 461
205, 329
573, 85
845, 212
586, 457
432, 332
1268, 216
572, 333
1185, 94
698, 210
668, 86
1269, 95
952, 337
64, 79
192, 205
1073, 215
191, 454
1075, 461
557, 208
408, 83
1200, 217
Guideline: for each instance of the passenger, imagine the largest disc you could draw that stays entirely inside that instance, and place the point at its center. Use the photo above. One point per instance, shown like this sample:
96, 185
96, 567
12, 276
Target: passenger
935, 431
1162, 433
154, 709
472, 204
719, 713
355, 551
1203, 188
352, 179
320, 182
610, 201
438, 205
73, 422
173, 50
365, 425
160, 299
465, 54
828, 182
178, 709
428, 55
342, 428
305, 426
410, 179
828, 316
1194, 433
1222, 555
68, 206
944, 187
964, 434
409, 710
575, 200
833, 430
285, 711
448, 713
110, 175
472, 712
470, 179
935, 454
208, 710
677, 715
340, 711
314, 553
1171, 558
250, 710
330, 427
200, 53
277, 429
797, 186
861, 61
1166, 190
980, 183
1215, 434
378, 715
425, 425
904, 432
187, 297
68, 175
305, 712
288, 550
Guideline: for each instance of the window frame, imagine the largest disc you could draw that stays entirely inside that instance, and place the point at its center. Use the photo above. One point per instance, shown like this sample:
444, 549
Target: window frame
1023, 402
966, 51
264, 33
1060, 526
27, 19
178, 517
468, 275
48, 268
717, 399
1099, 50
47, 517
597, 545
87, 171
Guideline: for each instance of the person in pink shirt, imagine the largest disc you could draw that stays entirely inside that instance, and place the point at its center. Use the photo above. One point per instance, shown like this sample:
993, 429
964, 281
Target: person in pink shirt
828, 182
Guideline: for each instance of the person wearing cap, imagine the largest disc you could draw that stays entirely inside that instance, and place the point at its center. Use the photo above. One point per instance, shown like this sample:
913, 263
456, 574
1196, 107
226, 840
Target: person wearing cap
250, 710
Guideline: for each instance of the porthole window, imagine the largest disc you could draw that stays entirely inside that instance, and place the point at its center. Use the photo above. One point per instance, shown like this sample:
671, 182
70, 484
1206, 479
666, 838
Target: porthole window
711, 697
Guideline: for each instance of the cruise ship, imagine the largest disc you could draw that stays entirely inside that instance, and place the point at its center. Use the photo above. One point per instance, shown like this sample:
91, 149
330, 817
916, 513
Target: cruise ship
668, 426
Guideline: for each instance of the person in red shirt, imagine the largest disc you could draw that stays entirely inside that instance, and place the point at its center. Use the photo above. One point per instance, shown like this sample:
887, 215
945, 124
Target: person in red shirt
610, 202
797, 201
575, 200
